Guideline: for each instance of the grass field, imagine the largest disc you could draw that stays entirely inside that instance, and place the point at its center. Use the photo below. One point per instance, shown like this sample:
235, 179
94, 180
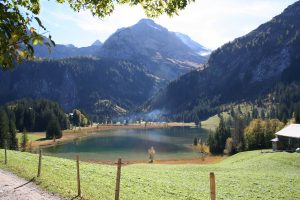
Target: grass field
248, 175
213, 122
31, 136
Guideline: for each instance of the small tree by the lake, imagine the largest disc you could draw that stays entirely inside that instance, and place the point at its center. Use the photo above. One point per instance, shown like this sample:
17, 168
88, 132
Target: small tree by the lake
151, 153
53, 129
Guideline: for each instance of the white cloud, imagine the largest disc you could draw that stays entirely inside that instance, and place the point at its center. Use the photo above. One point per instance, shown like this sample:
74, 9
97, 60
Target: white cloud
209, 22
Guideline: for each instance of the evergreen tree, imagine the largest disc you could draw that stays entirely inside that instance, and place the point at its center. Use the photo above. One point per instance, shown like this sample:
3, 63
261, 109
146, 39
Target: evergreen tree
13, 137
217, 140
262, 114
254, 113
24, 140
238, 134
53, 129
76, 117
4, 129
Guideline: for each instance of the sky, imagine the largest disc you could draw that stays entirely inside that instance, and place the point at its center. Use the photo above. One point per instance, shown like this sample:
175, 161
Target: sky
211, 23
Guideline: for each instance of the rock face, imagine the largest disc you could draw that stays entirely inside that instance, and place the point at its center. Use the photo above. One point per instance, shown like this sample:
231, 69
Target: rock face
161, 51
201, 50
242, 69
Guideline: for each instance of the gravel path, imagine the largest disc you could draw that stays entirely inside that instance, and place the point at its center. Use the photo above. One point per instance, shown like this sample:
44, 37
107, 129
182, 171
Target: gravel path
15, 188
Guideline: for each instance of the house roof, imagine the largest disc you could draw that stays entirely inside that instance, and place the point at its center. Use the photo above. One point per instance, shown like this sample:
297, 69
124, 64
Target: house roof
292, 131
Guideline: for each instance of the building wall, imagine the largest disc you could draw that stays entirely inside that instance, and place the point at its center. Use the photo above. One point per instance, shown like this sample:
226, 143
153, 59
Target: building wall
286, 143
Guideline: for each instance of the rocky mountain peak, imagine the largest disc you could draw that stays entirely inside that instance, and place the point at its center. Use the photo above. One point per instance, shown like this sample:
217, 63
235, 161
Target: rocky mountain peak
97, 43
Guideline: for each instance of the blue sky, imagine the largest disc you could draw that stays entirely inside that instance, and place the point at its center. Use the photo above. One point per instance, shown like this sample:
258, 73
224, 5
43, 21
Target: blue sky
209, 22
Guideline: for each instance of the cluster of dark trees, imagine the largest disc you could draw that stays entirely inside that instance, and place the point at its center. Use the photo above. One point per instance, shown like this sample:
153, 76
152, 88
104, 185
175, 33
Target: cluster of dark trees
79, 118
35, 115
217, 140
7, 130
31, 115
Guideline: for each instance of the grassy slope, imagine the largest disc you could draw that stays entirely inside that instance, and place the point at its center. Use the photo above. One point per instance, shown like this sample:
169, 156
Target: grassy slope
249, 175
213, 122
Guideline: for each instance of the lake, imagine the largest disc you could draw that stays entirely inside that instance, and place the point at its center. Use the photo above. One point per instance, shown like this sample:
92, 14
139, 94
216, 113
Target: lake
132, 144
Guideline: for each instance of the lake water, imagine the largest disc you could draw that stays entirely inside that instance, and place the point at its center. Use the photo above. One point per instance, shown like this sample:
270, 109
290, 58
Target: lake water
132, 144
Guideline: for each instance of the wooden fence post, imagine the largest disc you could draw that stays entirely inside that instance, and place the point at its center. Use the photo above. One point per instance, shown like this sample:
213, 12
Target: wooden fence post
5, 153
117, 192
40, 163
212, 186
78, 177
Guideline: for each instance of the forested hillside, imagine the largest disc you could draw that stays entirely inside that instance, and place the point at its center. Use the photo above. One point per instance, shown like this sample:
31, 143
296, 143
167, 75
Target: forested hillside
261, 66
98, 86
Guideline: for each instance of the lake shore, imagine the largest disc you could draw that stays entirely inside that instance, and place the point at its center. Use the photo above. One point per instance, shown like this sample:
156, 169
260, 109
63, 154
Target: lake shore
209, 159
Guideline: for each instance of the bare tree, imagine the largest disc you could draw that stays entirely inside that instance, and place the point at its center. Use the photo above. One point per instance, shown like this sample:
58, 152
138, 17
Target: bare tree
151, 153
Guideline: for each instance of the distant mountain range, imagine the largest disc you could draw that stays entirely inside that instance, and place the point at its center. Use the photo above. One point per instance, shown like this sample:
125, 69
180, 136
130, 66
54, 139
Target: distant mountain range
242, 70
165, 54
67, 51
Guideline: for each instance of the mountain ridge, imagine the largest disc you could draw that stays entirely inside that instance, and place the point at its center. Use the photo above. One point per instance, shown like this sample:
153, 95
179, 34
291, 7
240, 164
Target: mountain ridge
240, 70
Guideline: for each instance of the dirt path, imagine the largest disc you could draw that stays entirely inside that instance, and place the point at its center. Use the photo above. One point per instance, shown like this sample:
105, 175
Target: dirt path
15, 188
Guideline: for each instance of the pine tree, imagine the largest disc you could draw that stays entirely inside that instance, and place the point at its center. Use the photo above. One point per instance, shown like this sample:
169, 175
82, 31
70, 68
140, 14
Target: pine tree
13, 137
24, 140
4, 128
53, 129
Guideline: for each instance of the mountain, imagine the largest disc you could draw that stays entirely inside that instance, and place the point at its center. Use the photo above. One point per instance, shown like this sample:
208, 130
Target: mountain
245, 69
97, 86
159, 50
67, 51
201, 50
165, 54
97, 43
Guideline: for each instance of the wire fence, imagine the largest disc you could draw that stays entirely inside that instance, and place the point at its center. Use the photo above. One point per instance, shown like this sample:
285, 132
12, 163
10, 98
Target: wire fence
118, 175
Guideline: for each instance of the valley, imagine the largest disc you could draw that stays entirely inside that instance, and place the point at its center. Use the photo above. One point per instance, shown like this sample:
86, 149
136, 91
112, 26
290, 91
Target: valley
146, 111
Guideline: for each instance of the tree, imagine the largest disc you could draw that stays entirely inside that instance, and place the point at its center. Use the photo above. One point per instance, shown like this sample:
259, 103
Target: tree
24, 140
195, 141
4, 128
18, 33
217, 140
151, 153
238, 134
53, 129
259, 133
13, 137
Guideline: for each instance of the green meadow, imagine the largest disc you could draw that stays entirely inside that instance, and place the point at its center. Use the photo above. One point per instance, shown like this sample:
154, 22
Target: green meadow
247, 175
